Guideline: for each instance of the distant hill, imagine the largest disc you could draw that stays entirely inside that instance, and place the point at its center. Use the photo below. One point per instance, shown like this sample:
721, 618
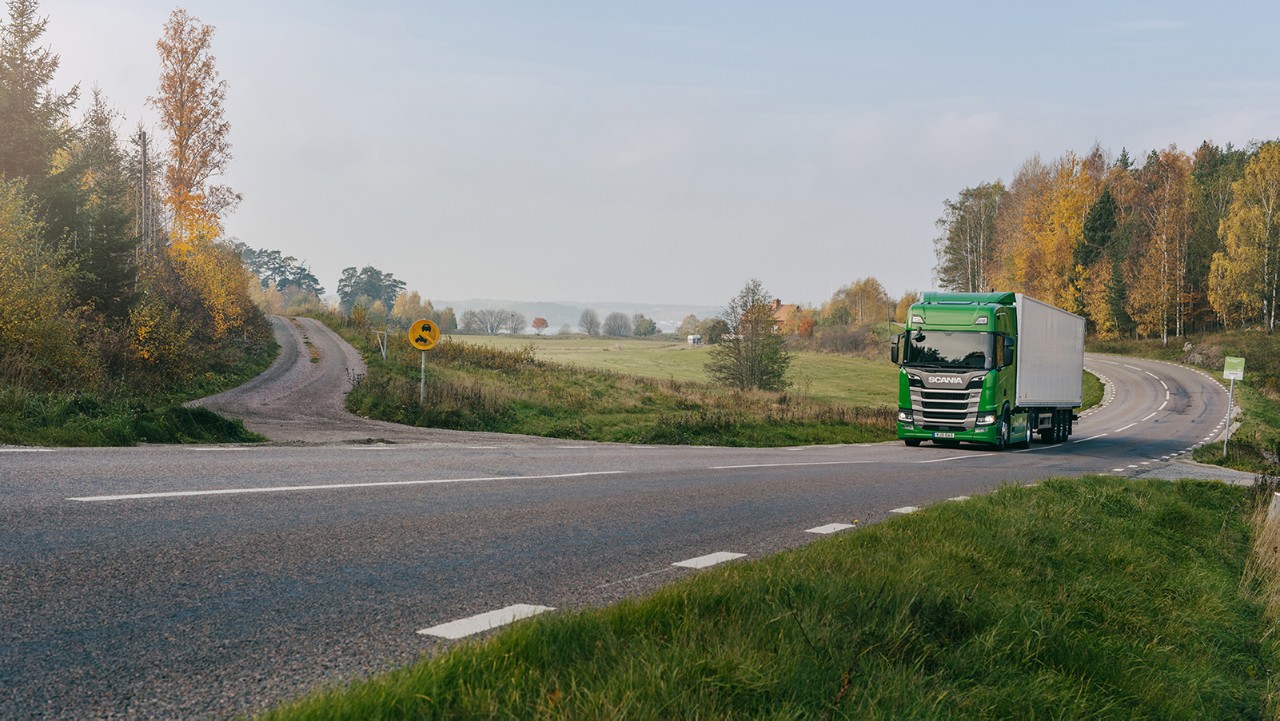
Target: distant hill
558, 313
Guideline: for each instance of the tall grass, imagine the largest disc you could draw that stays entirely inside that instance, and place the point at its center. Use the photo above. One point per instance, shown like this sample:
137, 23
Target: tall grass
1082, 598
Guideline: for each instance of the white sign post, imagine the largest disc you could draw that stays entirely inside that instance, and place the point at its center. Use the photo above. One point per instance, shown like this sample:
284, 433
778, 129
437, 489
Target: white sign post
1233, 369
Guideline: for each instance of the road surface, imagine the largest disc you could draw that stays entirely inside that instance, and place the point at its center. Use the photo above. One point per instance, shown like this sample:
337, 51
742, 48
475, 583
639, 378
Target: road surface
207, 581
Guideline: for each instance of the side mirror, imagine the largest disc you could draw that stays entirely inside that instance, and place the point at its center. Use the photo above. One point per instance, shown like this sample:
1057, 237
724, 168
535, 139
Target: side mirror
893, 353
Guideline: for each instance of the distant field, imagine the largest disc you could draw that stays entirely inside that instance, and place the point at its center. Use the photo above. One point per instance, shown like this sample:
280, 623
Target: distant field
843, 379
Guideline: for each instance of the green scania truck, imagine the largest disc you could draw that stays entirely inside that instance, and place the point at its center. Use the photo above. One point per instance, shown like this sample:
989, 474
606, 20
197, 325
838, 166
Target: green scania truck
990, 368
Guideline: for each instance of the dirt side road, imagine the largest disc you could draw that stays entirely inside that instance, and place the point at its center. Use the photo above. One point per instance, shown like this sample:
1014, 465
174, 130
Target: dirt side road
299, 399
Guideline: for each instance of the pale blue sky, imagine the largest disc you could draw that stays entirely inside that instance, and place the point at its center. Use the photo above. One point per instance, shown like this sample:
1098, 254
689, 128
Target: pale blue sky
664, 151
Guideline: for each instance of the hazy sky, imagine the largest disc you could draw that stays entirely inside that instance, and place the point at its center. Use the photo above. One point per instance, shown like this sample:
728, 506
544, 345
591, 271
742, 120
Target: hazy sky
668, 151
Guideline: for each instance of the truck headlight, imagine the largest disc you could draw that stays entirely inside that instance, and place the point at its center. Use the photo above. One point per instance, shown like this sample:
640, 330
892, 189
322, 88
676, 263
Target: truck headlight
986, 419
905, 415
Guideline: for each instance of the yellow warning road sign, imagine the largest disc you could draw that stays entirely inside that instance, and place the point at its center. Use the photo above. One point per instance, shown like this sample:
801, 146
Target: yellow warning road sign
424, 334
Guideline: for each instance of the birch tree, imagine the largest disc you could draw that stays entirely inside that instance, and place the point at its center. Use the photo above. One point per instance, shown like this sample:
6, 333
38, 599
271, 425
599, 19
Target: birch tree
1245, 276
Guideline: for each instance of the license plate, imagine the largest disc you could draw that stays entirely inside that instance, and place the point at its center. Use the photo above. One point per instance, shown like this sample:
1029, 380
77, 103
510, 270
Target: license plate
942, 434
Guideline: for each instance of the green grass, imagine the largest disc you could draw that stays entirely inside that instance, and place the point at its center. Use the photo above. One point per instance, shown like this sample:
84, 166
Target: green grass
1091, 391
510, 388
826, 376
1083, 598
129, 418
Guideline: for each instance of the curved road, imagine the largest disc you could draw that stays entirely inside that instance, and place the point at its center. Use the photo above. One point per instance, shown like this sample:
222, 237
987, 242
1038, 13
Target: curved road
205, 581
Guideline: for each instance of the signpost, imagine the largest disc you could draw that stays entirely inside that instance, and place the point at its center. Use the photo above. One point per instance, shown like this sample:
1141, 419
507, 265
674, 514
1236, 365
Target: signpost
424, 335
1233, 369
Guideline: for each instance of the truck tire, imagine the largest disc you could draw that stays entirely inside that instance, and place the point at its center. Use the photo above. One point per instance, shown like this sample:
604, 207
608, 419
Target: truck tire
1002, 435
913, 442
1026, 437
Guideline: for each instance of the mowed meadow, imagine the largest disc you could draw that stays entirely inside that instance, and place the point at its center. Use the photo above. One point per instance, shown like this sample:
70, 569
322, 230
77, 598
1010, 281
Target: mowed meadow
842, 379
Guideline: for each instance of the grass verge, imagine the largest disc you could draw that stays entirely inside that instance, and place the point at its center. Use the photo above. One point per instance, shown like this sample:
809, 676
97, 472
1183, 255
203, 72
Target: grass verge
125, 419
510, 390
1081, 598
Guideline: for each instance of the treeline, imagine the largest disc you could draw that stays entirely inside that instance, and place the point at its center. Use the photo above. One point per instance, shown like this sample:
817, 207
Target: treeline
114, 274
1176, 243
856, 319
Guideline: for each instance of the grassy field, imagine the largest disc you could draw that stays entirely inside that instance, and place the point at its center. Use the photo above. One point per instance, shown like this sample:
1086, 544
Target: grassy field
1082, 598
483, 387
843, 379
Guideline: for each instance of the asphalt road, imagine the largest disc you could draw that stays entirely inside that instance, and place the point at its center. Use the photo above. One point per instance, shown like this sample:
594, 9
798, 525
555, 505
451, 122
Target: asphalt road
202, 582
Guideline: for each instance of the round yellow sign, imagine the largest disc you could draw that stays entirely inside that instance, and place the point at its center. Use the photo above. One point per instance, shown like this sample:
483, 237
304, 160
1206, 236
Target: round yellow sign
424, 334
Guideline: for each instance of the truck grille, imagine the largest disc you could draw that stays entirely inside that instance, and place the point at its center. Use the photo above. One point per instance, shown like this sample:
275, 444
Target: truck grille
945, 409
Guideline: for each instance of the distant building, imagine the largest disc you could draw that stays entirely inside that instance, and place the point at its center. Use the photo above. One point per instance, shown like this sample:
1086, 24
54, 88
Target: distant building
782, 313
695, 340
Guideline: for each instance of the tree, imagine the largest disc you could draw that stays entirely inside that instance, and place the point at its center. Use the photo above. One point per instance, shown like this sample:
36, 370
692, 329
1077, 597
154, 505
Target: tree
753, 356
589, 322
1158, 275
367, 282
616, 325
283, 271
539, 325
31, 114
643, 327
862, 302
964, 249
712, 330
410, 308
190, 104
688, 326
42, 340
513, 322
99, 220
1245, 280
490, 321
904, 304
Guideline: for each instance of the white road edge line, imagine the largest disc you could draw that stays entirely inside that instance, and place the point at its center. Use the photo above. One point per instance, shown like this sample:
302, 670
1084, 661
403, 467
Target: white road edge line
957, 458
483, 622
710, 559
332, 486
905, 509
830, 528
26, 450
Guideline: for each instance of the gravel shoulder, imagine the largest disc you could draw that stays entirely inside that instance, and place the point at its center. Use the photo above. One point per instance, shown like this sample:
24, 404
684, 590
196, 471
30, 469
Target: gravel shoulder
299, 399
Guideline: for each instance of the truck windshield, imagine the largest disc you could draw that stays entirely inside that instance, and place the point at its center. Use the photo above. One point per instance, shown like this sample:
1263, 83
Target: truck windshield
949, 350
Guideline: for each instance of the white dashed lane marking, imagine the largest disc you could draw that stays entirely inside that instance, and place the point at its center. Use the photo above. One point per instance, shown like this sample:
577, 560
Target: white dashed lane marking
1131, 425
483, 622
26, 450
710, 559
957, 458
1082, 440
788, 465
905, 509
1153, 415
959, 498
830, 528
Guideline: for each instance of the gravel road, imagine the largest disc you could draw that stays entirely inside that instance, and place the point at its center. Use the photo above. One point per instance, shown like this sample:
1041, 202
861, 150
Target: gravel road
299, 399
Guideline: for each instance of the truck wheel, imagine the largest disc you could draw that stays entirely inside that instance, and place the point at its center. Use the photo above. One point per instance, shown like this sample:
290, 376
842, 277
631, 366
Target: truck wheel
913, 442
1002, 437
1026, 439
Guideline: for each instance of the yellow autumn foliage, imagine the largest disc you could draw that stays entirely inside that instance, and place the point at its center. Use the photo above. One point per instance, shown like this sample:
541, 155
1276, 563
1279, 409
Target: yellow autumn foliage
44, 341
